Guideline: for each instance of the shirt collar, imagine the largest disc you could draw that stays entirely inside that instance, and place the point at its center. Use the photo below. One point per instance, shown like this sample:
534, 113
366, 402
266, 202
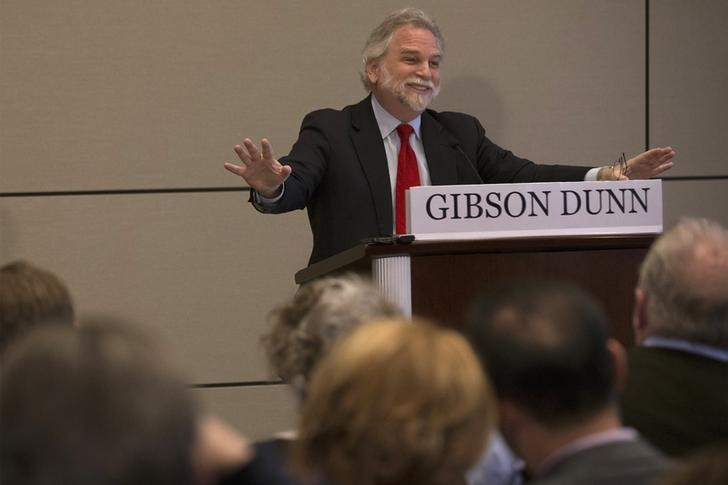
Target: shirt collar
388, 123
717, 353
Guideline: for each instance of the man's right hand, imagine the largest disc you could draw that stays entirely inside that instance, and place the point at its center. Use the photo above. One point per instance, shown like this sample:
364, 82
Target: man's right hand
259, 169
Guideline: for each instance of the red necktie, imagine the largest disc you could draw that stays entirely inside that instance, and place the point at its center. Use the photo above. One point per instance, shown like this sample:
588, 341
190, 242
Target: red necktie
407, 176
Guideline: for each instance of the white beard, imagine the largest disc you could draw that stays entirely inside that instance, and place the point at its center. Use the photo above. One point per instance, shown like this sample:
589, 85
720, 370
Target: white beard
414, 101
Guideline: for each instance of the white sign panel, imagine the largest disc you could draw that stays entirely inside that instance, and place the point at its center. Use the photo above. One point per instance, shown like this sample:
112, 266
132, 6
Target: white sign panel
535, 209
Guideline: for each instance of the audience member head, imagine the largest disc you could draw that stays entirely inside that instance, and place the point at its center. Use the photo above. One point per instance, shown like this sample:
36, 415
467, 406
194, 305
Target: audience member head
545, 345
28, 296
381, 37
93, 405
683, 285
304, 328
396, 402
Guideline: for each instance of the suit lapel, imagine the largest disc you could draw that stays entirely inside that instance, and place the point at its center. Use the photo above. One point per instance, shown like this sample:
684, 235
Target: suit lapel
441, 157
367, 141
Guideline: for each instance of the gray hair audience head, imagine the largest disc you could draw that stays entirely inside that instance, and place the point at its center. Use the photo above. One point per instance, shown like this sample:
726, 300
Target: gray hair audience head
683, 285
544, 344
304, 328
381, 37
93, 405
29, 296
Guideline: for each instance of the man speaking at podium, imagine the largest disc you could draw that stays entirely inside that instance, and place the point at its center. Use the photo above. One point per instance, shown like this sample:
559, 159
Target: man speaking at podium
350, 168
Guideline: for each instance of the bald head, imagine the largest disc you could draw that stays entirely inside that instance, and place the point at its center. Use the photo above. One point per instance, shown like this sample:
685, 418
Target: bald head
683, 284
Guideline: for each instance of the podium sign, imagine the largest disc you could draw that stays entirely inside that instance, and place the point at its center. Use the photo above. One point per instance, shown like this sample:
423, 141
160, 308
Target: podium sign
534, 209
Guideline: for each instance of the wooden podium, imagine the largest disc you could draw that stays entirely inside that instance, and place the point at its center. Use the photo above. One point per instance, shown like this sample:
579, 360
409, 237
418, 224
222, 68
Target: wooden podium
439, 279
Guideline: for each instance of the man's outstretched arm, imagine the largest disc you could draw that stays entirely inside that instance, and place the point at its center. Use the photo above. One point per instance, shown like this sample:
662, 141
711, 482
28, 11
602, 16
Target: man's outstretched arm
258, 168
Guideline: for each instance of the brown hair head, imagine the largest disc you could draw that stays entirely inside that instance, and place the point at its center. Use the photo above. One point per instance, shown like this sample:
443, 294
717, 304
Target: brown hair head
28, 296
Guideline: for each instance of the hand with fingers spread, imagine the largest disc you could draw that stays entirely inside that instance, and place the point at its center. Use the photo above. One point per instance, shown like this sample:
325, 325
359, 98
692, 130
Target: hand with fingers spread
643, 166
259, 169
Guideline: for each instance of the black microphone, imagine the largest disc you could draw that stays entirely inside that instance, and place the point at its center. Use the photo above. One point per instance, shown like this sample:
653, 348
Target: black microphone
455, 145
388, 240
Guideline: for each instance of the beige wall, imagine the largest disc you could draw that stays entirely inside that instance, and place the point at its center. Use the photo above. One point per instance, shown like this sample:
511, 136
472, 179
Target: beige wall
689, 103
127, 105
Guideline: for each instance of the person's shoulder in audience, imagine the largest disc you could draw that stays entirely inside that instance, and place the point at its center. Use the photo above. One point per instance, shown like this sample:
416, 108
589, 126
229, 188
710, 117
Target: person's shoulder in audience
707, 466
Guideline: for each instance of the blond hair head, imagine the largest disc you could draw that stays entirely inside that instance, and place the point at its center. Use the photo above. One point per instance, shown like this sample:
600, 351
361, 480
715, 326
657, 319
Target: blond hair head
396, 402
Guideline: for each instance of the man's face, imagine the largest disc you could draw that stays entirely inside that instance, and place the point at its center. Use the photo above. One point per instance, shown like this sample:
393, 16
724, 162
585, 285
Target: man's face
407, 78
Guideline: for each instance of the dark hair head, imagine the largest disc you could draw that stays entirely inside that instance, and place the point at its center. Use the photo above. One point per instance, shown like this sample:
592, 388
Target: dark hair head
28, 296
544, 346
92, 405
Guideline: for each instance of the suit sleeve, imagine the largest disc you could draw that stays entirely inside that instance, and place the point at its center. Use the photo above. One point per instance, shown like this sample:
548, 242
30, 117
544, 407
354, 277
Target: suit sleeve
308, 160
498, 165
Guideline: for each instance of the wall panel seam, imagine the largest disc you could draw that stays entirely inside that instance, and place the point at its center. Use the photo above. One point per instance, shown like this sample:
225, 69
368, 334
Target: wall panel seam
180, 190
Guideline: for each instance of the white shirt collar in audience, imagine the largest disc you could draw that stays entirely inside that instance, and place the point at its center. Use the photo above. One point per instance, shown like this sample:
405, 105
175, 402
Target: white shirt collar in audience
716, 353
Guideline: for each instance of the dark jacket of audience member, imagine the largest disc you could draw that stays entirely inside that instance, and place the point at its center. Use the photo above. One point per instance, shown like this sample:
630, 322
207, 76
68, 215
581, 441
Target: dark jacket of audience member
556, 372
92, 405
29, 296
708, 466
677, 392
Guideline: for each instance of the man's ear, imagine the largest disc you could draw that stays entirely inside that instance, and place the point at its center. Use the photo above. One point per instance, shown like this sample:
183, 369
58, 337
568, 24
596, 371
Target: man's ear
373, 71
506, 412
639, 318
619, 361
510, 422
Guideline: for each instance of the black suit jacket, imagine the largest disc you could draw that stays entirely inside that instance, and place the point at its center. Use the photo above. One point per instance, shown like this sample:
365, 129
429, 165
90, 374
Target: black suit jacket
677, 400
616, 463
340, 171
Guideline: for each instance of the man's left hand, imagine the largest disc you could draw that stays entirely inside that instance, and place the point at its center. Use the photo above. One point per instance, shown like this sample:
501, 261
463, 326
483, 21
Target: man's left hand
645, 165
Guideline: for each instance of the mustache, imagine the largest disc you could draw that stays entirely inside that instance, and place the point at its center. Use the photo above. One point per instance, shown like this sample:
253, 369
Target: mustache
419, 82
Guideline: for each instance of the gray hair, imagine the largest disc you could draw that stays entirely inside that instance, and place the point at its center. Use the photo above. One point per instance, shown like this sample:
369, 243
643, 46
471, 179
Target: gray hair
380, 38
685, 281
306, 327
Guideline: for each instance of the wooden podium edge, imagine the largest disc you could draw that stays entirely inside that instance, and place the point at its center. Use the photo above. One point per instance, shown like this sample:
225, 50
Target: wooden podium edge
358, 258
